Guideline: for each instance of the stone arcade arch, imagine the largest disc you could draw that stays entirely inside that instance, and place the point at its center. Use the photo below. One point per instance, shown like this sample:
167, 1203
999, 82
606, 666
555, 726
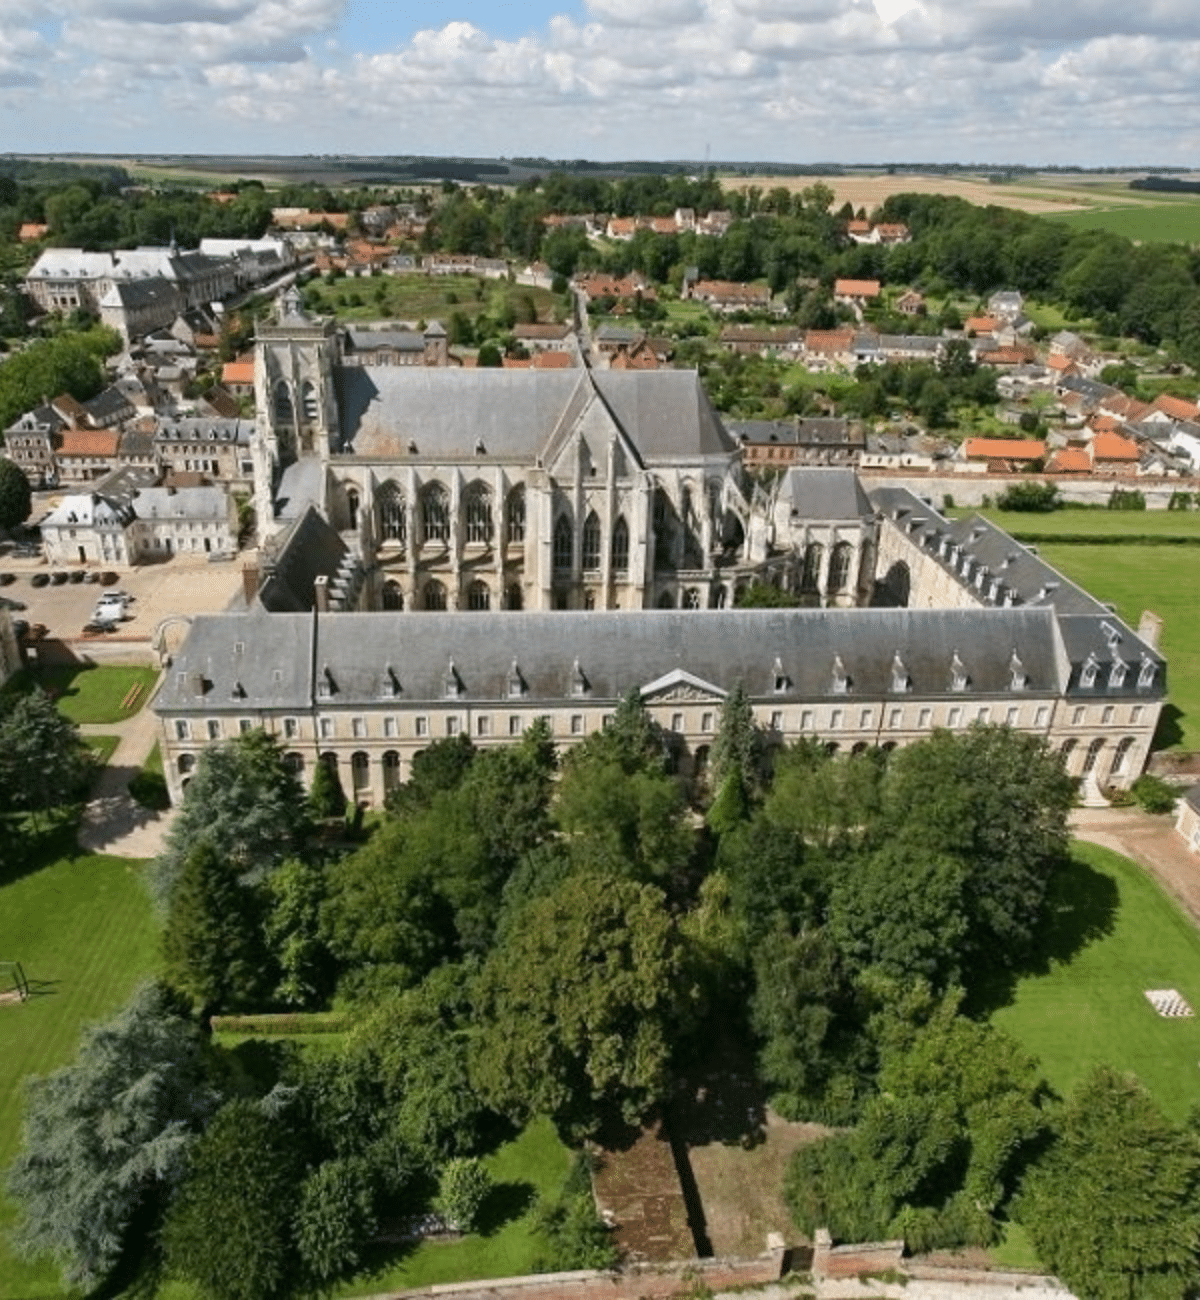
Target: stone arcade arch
393, 514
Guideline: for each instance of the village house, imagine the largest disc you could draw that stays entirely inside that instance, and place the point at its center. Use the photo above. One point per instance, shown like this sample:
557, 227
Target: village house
1003, 455
802, 440
856, 294
766, 341
30, 444
218, 449
910, 303
828, 349
542, 337
725, 296
371, 346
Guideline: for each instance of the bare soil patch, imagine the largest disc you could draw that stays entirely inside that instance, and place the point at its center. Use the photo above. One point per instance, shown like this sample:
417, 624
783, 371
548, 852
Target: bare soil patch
870, 191
638, 1191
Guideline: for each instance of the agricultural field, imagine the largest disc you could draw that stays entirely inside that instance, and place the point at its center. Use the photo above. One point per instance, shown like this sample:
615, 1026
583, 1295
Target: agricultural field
413, 298
1174, 222
83, 929
1112, 934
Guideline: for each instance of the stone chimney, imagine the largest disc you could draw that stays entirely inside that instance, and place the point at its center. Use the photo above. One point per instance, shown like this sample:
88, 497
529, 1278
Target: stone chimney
249, 583
321, 594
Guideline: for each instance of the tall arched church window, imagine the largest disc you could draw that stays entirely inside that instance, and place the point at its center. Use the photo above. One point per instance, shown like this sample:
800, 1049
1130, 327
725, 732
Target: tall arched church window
839, 566
477, 509
435, 595
591, 541
514, 521
620, 546
393, 522
393, 597
435, 514
479, 596
564, 544
284, 412
810, 580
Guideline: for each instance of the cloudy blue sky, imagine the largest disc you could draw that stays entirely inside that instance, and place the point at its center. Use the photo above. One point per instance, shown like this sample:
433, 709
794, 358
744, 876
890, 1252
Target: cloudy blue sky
1036, 81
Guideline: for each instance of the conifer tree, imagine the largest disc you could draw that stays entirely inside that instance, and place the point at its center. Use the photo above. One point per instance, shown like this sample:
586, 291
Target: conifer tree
738, 746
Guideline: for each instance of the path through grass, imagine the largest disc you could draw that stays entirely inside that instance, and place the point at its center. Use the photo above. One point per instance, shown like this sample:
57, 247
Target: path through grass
1112, 934
83, 929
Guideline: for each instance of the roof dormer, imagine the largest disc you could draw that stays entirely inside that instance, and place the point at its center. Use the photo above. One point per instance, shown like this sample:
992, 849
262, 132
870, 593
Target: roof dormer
840, 682
959, 678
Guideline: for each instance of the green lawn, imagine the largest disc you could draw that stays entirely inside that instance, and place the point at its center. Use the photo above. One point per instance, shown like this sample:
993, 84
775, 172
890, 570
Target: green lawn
86, 693
102, 747
1113, 934
534, 1164
424, 297
149, 786
1174, 222
1162, 579
83, 929
1098, 523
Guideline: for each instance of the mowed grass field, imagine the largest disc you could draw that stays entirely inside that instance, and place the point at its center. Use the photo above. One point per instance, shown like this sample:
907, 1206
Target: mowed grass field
412, 298
83, 929
92, 694
1175, 222
1111, 934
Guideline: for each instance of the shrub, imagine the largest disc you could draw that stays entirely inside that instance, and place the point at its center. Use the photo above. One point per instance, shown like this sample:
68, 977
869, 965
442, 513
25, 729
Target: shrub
1030, 497
462, 1189
1126, 499
1154, 794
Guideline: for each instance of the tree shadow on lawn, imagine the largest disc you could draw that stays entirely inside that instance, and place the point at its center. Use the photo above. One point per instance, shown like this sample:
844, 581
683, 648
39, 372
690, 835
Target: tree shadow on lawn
504, 1203
28, 846
1169, 730
1081, 907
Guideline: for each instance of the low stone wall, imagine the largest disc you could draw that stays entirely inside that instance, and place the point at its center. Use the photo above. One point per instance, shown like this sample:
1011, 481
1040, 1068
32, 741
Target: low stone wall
970, 489
830, 1261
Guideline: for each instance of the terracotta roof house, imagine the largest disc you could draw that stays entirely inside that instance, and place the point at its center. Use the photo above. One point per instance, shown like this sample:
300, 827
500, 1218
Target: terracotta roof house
1111, 452
980, 325
1070, 460
1175, 407
1003, 453
727, 295
238, 376
31, 230
856, 291
552, 361
910, 303
1128, 409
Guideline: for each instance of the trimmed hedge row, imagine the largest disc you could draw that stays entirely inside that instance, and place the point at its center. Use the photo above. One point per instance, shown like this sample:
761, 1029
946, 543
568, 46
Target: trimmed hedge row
295, 1022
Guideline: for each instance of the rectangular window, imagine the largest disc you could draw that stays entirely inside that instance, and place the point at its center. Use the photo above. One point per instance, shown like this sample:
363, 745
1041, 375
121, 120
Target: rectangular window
515, 724
576, 724
706, 722
926, 719
835, 719
1012, 717
483, 725
676, 721
866, 718
422, 726
806, 720
451, 726
606, 721
1108, 713
1137, 713
389, 728
326, 726
291, 728
183, 730
245, 725
1078, 716
777, 721
955, 719
358, 728
1042, 716
896, 719
984, 714
214, 729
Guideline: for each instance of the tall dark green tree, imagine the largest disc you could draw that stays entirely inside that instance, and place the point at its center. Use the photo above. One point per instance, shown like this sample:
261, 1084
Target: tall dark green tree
212, 943
229, 1230
737, 748
107, 1137
43, 761
16, 497
1114, 1207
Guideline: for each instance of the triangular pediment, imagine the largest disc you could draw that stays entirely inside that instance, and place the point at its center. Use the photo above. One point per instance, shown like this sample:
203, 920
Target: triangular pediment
679, 684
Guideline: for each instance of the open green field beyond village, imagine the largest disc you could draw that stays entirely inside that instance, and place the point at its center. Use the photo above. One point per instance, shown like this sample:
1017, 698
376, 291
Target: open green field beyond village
413, 298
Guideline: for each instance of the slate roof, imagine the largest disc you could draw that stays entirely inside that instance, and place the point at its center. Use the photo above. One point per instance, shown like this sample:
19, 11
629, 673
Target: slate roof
190, 503
197, 429
818, 493
283, 656
512, 414
398, 340
311, 548
109, 406
87, 510
132, 294
820, 431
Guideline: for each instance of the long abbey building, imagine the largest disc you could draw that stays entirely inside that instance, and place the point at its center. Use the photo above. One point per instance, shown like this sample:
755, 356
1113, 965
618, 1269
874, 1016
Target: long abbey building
448, 552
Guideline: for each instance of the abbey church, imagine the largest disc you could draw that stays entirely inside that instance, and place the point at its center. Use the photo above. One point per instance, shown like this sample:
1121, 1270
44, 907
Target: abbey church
454, 552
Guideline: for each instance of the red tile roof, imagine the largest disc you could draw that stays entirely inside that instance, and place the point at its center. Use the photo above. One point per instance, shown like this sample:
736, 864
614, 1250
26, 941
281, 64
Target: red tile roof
552, 361
89, 442
856, 288
980, 325
1111, 446
1004, 449
237, 372
1176, 407
828, 340
1070, 461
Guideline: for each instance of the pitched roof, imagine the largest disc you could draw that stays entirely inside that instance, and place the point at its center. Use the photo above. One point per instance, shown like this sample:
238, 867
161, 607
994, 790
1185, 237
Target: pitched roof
813, 493
1111, 446
89, 442
1176, 407
1004, 449
1070, 460
828, 340
237, 372
857, 288
553, 361
981, 325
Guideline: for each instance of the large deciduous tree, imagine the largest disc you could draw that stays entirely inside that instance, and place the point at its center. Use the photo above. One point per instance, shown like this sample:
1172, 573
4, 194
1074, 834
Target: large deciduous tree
16, 496
578, 1007
230, 1228
108, 1136
43, 761
1114, 1208
245, 801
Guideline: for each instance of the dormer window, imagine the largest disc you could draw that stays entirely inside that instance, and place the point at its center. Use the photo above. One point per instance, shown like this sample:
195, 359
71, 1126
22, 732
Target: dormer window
1147, 674
1087, 675
516, 683
901, 682
781, 681
326, 686
452, 684
958, 674
1116, 674
579, 683
238, 692
390, 686
841, 681
1017, 677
